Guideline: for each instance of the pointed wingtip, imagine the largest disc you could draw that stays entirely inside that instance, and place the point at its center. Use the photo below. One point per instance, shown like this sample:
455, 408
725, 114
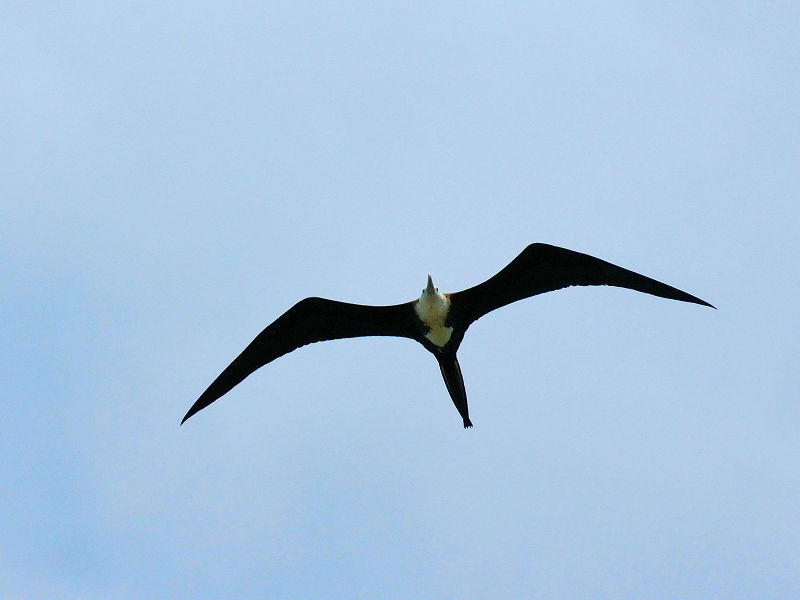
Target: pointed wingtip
683, 296
704, 303
199, 405
192, 411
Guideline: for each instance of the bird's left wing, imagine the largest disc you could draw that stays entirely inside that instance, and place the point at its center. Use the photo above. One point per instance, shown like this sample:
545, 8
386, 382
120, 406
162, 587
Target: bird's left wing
310, 320
544, 268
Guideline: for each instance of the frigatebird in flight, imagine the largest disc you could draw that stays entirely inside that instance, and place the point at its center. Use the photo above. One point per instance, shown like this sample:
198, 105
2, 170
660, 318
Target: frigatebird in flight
435, 320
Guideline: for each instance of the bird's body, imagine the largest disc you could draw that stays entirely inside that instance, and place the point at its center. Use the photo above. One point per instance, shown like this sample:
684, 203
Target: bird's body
432, 309
437, 321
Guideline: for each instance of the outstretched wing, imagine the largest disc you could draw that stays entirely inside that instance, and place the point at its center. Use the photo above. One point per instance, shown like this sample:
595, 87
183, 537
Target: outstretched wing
310, 320
543, 268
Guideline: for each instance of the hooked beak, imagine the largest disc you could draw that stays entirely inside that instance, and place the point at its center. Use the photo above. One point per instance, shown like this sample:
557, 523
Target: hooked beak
430, 289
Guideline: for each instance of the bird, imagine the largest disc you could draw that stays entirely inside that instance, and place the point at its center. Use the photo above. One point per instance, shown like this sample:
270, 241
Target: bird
436, 320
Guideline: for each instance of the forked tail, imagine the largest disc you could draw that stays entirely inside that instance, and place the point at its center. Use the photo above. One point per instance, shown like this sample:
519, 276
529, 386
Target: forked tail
451, 372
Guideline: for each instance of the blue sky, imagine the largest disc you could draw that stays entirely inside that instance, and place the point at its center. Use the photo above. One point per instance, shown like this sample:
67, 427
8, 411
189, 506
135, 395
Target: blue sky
175, 177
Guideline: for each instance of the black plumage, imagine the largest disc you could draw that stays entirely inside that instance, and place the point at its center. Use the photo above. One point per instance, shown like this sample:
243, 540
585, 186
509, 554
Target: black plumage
538, 269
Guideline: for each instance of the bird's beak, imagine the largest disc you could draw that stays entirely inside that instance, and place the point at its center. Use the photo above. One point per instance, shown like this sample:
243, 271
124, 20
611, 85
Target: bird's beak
430, 289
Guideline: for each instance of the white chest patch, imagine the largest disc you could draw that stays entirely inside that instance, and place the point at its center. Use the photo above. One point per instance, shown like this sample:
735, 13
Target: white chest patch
432, 311
439, 335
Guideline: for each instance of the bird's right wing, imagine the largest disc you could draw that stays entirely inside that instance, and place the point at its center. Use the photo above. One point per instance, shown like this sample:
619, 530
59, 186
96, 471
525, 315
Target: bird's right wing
543, 268
310, 320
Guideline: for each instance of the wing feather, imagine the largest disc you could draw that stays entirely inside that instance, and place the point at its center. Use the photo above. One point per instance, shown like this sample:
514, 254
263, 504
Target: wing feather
544, 268
310, 320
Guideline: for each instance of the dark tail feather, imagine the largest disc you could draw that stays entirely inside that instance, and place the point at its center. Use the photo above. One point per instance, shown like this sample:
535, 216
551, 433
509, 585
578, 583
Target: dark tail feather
451, 372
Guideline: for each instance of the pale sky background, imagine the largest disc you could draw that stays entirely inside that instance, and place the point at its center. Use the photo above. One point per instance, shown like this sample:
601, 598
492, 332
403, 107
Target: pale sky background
174, 177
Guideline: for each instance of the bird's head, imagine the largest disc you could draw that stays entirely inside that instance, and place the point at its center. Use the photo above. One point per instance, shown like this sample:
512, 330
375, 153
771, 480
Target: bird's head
430, 290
